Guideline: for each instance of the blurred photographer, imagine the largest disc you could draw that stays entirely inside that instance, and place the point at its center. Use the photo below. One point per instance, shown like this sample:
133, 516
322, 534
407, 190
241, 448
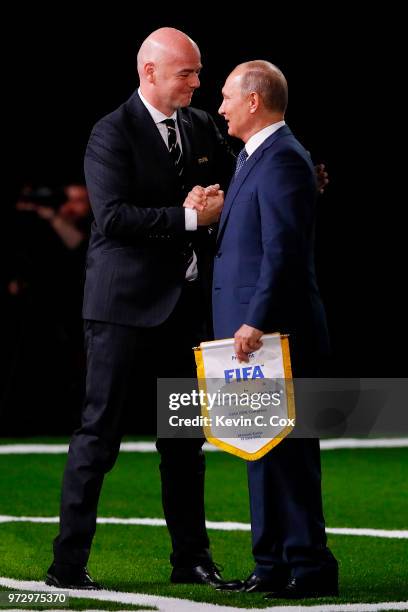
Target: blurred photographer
47, 240
67, 213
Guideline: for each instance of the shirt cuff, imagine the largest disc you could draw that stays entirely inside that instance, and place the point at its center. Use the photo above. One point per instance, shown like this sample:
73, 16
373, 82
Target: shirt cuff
191, 219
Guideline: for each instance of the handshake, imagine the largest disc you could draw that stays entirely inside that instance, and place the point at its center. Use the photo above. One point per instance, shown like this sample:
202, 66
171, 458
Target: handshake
207, 201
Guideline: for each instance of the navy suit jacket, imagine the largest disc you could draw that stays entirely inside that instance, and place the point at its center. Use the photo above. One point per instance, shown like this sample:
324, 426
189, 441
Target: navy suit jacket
135, 264
264, 272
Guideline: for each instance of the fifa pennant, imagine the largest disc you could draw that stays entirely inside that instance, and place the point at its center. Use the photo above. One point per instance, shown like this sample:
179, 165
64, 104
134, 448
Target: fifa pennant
246, 408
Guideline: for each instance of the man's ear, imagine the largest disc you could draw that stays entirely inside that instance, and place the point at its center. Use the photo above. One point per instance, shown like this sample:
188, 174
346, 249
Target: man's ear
149, 70
253, 101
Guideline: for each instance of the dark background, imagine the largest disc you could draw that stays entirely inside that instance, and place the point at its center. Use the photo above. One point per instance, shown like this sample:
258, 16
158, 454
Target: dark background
64, 71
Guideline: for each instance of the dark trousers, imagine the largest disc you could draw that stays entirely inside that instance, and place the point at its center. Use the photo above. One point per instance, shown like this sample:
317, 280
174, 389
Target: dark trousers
287, 522
116, 374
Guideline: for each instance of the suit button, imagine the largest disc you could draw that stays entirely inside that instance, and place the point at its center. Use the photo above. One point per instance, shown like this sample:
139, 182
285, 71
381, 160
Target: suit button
218, 255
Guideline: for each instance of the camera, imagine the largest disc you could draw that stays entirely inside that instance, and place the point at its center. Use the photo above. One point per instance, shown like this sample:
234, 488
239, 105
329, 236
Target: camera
42, 196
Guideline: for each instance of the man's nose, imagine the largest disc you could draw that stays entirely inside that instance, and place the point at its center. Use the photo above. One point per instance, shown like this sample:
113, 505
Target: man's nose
194, 81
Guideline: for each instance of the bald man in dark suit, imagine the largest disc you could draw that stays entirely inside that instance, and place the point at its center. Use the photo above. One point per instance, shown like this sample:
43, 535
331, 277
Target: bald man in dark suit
145, 275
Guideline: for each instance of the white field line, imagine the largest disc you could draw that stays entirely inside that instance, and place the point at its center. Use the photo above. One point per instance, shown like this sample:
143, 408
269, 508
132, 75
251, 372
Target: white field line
149, 447
173, 604
217, 525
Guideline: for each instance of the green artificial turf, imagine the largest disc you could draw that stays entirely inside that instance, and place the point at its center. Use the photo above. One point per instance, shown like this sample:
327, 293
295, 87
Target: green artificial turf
135, 558
362, 488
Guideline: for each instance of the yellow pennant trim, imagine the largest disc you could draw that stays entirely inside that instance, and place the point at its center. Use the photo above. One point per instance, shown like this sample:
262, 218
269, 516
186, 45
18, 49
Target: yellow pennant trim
290, 397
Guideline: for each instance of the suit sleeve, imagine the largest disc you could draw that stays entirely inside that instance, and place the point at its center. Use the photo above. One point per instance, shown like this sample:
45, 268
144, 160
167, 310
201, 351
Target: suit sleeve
286, 193
118, 215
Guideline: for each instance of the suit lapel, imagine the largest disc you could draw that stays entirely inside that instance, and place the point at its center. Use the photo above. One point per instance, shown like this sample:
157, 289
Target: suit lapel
186, 135
239, 180
149, 138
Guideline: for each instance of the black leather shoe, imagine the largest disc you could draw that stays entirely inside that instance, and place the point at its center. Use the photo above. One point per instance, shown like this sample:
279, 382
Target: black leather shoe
255, 584
200, 574
71, 577
304, 589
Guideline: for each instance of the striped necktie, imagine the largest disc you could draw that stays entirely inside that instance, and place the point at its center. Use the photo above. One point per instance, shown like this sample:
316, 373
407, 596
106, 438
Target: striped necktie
177, 157
174, 147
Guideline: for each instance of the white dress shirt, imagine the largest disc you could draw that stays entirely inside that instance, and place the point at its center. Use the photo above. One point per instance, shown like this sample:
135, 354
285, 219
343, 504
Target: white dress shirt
190, 215
257, 139
158, 117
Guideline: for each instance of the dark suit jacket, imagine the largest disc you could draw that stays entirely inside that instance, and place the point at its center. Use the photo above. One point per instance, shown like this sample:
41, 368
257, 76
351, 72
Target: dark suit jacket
135, 264
264, 272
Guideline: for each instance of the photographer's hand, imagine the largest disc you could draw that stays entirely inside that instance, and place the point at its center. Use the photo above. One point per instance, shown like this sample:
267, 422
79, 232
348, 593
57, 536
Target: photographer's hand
45, 212
66, 230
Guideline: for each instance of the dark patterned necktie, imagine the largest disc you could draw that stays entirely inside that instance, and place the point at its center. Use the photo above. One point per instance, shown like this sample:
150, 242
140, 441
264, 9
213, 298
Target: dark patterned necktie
174, 147
177, 157
241, 159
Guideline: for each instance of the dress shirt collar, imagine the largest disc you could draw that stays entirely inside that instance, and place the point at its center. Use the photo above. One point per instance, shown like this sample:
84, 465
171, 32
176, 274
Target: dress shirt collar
157, 115
257, 139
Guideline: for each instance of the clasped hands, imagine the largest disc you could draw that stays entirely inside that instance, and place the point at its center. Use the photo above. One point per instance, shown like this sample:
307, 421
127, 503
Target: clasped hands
207, 201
